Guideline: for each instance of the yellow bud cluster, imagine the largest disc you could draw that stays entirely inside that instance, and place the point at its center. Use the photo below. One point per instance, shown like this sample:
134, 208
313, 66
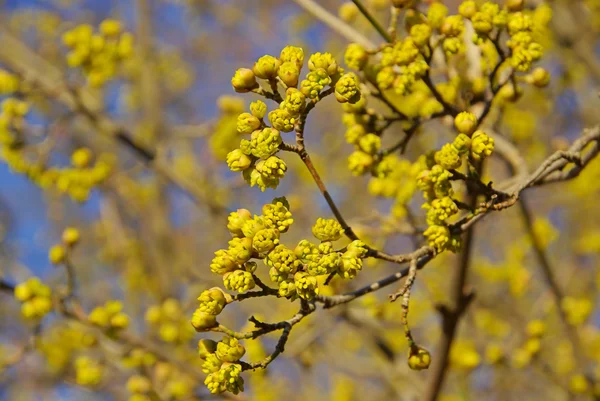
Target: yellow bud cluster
109, 316
169, 321
100, 54
35, 298
88, 372
77, 182
9, 83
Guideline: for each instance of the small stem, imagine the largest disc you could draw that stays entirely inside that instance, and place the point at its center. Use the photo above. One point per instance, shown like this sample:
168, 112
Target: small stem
395, 12
373, 21
447, 106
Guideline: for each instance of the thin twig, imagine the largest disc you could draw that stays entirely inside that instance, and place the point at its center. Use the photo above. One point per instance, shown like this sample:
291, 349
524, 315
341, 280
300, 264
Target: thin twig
336, 24
373, 21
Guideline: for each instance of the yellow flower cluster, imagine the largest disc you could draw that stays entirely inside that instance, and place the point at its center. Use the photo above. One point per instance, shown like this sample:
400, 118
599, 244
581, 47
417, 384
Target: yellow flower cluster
173, 384
577, 310
109, 316
463, 355
525, 51
396, 178
418, 358
76, 181
12, 121
403, 64
98, 54
256, 157
523, 355
9, 83
140, 387
212, 302
35, 298
88, 372
170, 321
361, 132
139, 358
58, 253
58, 344
435, 181
225, 133
219, 362
295, 271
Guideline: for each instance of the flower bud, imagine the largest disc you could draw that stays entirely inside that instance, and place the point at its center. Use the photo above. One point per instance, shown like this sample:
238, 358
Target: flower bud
465, 122
57, 254
206, 347
244, 80
230, 350
540, 77
213, 300
266, 67
258, 109
236, 221
247, 123
203, 321
238, 161
418, 358
514, 5
70, 236
289, 73
327, 229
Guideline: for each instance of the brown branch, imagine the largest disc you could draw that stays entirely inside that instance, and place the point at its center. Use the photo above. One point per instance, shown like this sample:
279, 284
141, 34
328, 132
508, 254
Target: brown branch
373, 21
452, 313
450, 109
550, 171
422, 256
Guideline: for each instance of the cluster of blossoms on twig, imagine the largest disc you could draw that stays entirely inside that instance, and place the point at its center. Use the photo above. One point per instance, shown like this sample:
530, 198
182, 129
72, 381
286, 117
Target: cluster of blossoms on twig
296, 272
256, 157
435, 182
75, 181
99, 55
403, 66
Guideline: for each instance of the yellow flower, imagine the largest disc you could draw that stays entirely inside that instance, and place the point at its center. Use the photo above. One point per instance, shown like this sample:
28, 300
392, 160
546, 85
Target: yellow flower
57, 254
418, 358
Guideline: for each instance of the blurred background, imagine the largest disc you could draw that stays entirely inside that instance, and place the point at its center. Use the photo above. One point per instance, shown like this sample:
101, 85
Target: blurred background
150, 230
